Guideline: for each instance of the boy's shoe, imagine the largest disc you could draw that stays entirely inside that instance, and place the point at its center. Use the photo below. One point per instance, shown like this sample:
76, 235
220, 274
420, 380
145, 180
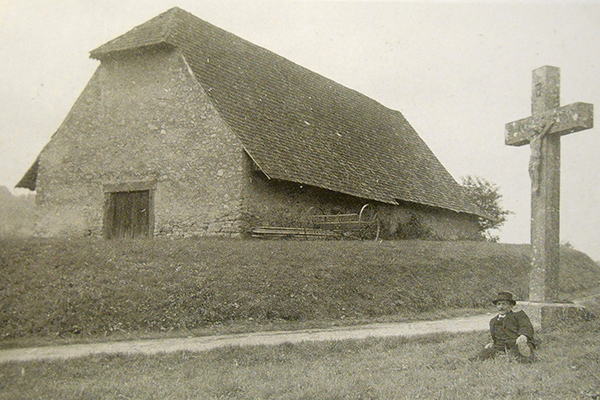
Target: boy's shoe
524, 349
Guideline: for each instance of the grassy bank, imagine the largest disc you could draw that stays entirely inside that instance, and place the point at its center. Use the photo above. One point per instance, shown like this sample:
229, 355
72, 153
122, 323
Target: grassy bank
93, 288
434, 367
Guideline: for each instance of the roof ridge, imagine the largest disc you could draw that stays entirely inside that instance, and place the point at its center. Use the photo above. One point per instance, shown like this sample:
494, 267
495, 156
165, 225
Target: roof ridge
169, 25
174, 12
159, 29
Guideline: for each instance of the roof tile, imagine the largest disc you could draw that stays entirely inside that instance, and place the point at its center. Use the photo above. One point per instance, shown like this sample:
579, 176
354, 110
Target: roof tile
298, 125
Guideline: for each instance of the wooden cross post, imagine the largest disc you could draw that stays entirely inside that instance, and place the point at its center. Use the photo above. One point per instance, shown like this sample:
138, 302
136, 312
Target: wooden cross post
542, 130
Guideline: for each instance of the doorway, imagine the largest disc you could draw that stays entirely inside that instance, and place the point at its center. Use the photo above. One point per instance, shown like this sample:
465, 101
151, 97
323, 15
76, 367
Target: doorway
128, 215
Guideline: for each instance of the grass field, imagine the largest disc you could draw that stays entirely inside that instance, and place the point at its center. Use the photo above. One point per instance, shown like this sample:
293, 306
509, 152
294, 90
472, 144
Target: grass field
64, 291
433, 367
59, 291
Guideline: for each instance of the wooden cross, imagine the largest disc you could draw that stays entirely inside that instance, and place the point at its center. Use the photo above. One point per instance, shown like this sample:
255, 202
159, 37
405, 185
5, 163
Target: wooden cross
542, 130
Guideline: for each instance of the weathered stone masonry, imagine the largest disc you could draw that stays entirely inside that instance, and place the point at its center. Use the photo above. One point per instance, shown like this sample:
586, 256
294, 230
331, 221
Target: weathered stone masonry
278, 203
146, 119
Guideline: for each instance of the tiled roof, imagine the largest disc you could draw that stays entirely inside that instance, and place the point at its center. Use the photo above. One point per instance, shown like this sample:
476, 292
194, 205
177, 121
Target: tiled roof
29, 180
298, 125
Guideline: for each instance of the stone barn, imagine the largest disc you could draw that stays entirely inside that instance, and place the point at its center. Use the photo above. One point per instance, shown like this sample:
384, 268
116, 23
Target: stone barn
188, 130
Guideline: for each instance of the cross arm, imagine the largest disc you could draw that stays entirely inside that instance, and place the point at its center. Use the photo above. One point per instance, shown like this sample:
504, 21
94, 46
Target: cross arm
567, 119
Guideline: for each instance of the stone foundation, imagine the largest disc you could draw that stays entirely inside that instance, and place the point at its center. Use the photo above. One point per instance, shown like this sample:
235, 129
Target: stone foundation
546, 316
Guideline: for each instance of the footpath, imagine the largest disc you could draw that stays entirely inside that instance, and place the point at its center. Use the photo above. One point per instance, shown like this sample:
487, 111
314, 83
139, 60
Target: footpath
204, 343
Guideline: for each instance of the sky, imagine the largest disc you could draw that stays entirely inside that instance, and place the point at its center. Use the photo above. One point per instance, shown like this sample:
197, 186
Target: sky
458, 72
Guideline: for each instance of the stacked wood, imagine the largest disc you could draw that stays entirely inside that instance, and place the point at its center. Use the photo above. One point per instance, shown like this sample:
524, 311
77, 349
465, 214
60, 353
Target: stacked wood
291, 233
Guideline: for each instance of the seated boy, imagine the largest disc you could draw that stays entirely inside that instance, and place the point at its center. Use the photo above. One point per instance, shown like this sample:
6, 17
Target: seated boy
512, 332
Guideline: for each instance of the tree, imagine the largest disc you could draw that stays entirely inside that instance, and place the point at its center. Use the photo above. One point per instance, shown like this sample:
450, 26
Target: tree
17, 214
486, 196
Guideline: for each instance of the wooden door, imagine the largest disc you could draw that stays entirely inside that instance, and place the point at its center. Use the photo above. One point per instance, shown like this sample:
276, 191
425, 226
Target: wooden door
128, 215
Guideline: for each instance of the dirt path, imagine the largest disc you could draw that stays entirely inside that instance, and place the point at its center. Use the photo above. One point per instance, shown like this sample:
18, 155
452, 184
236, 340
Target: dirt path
455, 325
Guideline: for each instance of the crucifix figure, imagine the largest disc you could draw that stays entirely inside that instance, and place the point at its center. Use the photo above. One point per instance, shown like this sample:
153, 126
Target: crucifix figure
542, 131
536, 139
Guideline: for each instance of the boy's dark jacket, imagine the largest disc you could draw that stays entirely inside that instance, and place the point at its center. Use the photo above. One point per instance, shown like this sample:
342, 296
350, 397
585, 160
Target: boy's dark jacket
511, 327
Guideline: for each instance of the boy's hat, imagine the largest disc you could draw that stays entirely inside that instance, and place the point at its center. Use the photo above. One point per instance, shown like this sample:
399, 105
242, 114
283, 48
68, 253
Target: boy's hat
505, 296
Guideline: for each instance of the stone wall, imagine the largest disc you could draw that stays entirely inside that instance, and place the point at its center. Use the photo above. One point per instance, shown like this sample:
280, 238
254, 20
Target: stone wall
142, 118
269, 202
413, 221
